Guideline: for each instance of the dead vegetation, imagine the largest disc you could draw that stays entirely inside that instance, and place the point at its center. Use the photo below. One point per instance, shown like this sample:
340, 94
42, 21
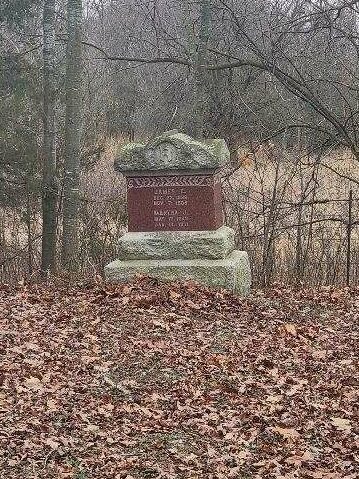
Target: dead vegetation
289, 210
146, 380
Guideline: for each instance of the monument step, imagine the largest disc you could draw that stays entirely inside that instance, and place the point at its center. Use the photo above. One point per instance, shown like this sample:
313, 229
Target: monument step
217, 244
231, 273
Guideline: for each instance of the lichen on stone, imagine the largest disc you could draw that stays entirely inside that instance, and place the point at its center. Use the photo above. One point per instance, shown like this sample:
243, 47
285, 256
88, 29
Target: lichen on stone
172, 151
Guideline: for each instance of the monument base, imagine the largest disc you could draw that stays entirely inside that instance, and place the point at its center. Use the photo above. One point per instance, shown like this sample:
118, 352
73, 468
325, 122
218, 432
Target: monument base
231, 273
217, 244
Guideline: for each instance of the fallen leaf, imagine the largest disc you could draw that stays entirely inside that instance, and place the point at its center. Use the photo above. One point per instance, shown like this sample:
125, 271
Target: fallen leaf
92, 428
174, 295
274, 399
52, 443
191, 457
211, 452
291, 329
243, 454
52, 405
341, 423
286, 433
319, 354
33, 383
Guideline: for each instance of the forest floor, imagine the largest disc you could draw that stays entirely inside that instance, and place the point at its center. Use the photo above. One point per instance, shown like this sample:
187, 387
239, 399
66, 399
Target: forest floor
147, 380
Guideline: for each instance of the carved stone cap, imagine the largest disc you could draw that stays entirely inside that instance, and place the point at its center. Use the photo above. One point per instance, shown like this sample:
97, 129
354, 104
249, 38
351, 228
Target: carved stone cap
172, 151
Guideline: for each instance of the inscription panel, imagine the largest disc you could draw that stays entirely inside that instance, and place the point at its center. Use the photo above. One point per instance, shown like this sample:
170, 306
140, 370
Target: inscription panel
174, 203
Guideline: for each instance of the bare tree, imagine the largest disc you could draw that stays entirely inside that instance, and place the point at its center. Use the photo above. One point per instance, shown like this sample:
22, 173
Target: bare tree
49, 187
200, 69
277, 79
73, 132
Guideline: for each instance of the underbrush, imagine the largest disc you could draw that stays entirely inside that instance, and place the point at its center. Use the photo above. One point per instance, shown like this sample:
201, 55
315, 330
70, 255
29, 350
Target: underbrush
289, 210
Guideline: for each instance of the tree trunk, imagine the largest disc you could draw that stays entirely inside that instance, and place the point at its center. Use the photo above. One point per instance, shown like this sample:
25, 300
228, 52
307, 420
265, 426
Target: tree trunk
200, 70
73, 132
30, 268
49, 186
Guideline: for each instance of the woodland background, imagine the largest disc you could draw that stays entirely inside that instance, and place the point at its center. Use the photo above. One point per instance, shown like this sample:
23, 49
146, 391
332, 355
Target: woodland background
277, 79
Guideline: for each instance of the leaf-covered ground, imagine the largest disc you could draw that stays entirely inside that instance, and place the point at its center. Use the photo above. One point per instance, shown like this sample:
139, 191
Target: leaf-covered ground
173, 381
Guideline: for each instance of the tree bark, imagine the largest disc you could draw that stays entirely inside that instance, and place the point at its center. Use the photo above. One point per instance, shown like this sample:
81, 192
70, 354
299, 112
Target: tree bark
200, 70
73, 132
49, 186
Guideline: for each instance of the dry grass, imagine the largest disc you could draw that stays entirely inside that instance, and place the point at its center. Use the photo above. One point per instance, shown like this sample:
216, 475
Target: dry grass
273, 192
266, 198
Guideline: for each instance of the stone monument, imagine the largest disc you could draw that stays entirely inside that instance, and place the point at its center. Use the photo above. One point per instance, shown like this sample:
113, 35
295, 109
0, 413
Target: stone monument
175, 216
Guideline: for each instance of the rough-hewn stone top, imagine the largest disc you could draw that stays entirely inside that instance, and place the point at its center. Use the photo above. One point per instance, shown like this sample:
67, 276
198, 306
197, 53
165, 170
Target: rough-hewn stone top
172, 151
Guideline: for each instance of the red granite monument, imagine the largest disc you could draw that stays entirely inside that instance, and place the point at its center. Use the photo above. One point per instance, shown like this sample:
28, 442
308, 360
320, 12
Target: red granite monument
175, 214
182, 202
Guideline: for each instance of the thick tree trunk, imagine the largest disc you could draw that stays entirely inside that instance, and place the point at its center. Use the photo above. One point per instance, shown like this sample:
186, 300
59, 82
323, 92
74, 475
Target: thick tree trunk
73, 135
49, 187
201, 70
